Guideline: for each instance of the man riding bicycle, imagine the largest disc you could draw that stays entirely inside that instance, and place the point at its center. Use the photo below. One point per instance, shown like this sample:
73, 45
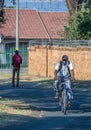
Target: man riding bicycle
64, 71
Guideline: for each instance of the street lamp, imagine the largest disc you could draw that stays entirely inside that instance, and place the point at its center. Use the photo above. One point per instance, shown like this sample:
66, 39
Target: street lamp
17, 24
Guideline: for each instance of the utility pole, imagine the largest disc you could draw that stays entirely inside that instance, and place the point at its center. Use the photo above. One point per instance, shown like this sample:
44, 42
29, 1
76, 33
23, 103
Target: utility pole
17, 24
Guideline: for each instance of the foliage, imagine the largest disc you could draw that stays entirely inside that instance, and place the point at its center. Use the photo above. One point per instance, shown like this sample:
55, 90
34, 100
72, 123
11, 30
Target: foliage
3, 1
80, 25
88, 6
2, 13
84, 26
71, 30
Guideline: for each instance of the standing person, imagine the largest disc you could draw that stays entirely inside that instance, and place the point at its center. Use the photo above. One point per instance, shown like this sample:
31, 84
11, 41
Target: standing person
16, 61
64, 71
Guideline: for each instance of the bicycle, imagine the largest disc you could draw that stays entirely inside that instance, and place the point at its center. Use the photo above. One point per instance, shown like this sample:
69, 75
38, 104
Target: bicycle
63, 97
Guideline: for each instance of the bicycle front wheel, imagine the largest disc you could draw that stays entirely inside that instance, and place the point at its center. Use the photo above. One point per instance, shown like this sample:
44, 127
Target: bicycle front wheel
64, 101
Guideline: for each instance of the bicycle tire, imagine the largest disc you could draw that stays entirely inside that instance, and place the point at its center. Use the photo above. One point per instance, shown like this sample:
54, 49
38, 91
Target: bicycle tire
64, 101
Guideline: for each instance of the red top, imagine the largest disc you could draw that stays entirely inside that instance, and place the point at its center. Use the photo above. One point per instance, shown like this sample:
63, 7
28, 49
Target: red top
16, 60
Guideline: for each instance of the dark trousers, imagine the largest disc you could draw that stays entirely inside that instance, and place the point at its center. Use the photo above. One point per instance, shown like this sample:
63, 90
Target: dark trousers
16, 71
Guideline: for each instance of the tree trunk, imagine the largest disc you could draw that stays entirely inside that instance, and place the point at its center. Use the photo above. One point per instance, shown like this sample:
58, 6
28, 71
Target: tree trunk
68, 2
1, 3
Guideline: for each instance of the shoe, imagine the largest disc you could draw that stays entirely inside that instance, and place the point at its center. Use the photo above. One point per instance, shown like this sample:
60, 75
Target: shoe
56, 96
13, 85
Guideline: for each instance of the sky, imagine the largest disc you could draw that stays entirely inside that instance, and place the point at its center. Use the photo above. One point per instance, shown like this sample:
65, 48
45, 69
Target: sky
38, 0
45, 5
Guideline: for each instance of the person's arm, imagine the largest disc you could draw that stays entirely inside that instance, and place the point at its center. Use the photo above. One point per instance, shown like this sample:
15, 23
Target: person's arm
72, 71
20, 59
12, 60
55, 74
72, 74
56, 71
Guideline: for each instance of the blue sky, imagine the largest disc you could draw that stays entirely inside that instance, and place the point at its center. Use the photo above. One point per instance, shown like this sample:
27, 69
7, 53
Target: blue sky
45, 5
38, 0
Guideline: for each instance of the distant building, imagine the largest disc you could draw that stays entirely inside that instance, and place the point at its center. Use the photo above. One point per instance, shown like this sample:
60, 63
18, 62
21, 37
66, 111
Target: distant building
34, 28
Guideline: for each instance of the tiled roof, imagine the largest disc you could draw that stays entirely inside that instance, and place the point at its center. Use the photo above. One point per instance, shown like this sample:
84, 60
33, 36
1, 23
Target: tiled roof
31, 26
8, 28
55, 22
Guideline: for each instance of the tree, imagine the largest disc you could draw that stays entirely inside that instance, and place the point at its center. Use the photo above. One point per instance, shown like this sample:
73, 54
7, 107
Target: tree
79, 27
75, 5
2, 13
80, 24
68, 3
71, 30
1, 10
88, 6
84, 26
1, 3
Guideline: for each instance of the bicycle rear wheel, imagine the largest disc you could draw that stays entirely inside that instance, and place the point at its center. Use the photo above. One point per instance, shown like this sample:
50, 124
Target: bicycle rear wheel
64, 101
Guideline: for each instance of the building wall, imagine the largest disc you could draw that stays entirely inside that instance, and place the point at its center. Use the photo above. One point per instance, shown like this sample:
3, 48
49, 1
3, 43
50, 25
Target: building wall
42, 60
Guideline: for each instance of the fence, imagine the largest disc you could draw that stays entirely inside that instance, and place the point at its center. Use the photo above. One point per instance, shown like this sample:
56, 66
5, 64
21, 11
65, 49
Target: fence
6, 59
74, 43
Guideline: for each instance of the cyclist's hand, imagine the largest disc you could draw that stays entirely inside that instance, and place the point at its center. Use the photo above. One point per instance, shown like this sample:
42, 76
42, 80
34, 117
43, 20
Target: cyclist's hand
55, 78
72, 78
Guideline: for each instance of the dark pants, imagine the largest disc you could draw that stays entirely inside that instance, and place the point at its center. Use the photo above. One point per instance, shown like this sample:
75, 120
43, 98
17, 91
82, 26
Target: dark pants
16, 71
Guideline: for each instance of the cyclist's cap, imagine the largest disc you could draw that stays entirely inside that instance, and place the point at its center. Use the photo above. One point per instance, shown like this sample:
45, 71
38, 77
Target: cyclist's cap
64, 57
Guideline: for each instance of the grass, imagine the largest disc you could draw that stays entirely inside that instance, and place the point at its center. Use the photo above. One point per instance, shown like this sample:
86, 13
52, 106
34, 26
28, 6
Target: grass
23, 77
8, 107
10, 110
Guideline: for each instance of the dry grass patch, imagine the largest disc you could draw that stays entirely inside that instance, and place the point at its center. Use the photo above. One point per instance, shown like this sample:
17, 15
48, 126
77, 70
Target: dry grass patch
12, 110
14, 107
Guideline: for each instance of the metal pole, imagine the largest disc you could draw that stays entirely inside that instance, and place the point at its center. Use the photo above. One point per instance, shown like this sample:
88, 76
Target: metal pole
17, 24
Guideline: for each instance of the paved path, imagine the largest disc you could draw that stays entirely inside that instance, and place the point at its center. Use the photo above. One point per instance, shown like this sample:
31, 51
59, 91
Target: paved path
47, 114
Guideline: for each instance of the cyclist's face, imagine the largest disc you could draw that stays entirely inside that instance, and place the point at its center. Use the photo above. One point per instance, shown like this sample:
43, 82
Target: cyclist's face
64, 62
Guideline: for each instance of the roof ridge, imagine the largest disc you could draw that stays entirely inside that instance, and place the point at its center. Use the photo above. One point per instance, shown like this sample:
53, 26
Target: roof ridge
43, 24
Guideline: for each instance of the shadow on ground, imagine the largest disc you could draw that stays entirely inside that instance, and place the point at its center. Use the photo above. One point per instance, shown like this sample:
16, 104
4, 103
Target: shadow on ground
40, 97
